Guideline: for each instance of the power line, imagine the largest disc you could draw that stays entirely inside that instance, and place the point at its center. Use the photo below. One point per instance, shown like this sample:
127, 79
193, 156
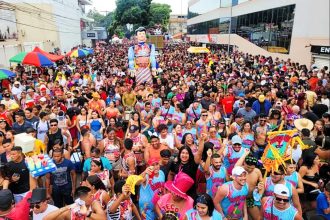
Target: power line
39, 27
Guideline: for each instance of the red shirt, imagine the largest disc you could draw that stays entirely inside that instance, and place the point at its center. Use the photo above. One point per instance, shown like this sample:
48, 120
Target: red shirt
21, 209
313, 83
228, 103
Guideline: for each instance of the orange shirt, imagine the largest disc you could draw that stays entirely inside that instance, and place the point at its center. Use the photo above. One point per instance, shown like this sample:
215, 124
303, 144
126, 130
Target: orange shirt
155, 153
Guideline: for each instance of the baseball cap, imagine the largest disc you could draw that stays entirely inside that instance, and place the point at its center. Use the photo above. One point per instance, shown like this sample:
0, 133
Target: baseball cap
237, 171
281, 190
133, 128
6, 199
38, 195
236, 140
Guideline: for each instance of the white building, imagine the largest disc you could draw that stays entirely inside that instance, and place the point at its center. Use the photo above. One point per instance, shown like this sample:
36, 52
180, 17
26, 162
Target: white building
48, 24
295, 29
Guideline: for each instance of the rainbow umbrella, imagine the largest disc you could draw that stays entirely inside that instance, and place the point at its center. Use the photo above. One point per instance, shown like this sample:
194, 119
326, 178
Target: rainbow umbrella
78, 53
31, 58
4, 74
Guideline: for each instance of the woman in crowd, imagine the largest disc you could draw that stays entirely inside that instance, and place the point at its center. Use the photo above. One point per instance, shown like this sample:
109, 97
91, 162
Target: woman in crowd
247, 135
96, 125
99, 191
309, 173
203, 209
105, 175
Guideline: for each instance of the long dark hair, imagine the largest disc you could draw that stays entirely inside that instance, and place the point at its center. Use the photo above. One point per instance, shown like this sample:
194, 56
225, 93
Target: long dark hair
95, 181
309, 160
206, 200
191, 155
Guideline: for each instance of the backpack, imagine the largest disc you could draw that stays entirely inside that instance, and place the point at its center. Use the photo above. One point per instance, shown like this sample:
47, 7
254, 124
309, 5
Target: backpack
37, 125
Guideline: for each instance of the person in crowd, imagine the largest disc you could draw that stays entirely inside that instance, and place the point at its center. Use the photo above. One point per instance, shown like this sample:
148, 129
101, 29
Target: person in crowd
39, 204
61, 184
293, 176
42, 126
254, 180
84, 207
21, 124
309, 172
121, 205
7, 145
322, 202
151, 189
176, 202
98, 189
277, 177
18, 174
230, 198
223, 101
215, 174
278, 205
203, 209
55, 133
20, 210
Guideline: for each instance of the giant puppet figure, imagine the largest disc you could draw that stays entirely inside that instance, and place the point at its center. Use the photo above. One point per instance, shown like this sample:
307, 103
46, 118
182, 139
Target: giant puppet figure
141, 58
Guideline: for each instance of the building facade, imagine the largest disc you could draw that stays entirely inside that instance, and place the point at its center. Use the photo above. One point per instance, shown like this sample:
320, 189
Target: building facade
177, 24
48, 24
293, 29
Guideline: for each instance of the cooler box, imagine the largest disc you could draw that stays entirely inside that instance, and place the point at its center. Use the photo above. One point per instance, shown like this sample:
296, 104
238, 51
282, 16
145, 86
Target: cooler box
25, 141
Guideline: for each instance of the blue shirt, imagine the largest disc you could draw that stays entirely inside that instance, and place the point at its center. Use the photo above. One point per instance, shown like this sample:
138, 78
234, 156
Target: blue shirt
192, 214
61, 177
322, 204
147, 193
106, 164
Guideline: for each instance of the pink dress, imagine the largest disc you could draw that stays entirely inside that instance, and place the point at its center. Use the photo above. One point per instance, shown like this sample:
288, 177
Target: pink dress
166, 207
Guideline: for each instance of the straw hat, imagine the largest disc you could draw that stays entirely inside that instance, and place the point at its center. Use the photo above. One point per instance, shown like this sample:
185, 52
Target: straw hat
303, 123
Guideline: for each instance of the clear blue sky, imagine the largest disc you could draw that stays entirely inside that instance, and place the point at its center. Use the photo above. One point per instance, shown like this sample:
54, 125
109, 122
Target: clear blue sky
110, 5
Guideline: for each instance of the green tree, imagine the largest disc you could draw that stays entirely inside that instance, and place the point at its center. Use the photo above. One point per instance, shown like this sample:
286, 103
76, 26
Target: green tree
132, 12
98, 18
159, 14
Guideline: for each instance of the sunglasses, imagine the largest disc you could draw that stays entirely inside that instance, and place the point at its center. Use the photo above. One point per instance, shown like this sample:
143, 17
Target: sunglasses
280, 199
237, 145
53, 125
204, 115
35, 205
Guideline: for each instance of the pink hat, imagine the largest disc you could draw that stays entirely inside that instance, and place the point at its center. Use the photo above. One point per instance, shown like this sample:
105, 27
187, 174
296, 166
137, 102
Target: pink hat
153, 160
181, 184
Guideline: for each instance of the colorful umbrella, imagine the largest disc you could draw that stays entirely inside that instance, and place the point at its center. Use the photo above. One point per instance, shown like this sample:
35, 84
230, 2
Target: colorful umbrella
52, 57
8, 73
31, 58
78, 53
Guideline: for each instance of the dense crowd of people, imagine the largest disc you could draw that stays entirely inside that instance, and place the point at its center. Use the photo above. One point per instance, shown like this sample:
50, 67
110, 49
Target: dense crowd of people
193, 139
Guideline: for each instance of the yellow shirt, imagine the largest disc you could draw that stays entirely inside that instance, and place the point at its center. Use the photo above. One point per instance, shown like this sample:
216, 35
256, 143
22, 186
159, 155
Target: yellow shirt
39, 147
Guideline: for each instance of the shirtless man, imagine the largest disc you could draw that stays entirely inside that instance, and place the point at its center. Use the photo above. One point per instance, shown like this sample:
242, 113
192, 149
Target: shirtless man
254, 181
88, 141
84, 207
260, 129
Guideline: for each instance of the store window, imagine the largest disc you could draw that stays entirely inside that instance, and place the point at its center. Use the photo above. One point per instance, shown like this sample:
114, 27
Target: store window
269, 29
